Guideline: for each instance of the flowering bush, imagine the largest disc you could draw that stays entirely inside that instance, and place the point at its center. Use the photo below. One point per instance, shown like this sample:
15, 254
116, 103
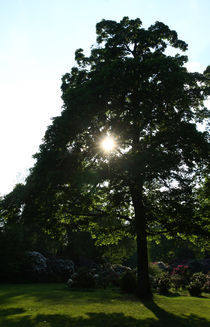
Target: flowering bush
34, 267
182, 271
59, 269
195, 288
196, 285
160, 265
38, 268
199, 277
37, 261
82, 279
154, 269
102, 277
110, 278
154, 273
163, 283
120, 268
206, 286
178, 281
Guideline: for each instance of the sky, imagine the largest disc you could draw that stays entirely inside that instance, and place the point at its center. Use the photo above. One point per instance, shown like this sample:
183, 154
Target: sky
38, 39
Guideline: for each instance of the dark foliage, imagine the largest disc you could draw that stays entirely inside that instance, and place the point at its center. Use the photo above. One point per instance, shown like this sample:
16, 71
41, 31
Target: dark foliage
163, 283
128, 282
196, 284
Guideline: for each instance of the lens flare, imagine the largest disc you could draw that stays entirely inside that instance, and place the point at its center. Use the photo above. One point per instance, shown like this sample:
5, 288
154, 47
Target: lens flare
108, 144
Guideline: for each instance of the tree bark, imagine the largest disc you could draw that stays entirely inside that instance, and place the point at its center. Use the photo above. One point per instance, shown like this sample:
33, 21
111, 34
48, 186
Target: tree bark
143, 287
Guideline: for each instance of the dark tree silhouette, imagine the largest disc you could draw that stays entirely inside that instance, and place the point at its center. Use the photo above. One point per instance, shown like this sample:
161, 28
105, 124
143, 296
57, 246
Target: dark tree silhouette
147, 100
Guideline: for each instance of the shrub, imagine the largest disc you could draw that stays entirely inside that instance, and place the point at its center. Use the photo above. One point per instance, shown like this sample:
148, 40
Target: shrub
108, 275
180, 276
128, 282
120, 269
82, 279
59, 269
70, 283
155, 270
163, 283
109, 278
161, 265
34, 267
178, 281
195, 288
196, 284
199, 277
154, 273
37, 268
206, 286
182, 270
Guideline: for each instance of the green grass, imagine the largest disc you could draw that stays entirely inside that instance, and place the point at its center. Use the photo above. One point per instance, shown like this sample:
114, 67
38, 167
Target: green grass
53, 305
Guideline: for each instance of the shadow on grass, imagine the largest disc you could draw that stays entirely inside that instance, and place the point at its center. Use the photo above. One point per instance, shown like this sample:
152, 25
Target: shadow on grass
168, 319
163, 319
173, 294
10, 312
17, 317
55, 292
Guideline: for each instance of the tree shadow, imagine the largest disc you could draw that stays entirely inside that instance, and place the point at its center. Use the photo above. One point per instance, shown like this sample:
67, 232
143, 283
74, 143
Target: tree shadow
173, 294
11, 312
17, 317
53, 292
169, 319
162, 319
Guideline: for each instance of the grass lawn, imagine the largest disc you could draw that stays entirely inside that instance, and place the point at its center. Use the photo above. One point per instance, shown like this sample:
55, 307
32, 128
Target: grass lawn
53, 305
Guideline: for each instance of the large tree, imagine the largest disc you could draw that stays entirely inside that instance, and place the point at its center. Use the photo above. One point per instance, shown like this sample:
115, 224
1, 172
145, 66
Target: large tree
129, 88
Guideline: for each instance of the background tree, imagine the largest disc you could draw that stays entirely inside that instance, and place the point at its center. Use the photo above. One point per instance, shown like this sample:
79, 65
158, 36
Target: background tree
202, 210
174, 250
147, 100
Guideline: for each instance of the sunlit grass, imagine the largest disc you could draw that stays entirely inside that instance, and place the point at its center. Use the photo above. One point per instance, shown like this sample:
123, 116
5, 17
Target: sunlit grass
53, 305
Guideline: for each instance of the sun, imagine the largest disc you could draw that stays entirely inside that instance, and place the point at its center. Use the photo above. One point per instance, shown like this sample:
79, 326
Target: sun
108, 144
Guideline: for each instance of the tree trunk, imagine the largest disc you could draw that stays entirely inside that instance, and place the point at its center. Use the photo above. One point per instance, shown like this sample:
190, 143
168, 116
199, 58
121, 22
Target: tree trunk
143, 287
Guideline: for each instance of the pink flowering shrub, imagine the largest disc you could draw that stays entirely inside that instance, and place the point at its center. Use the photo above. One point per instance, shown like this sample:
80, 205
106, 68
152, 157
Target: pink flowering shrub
180, 276
182, 270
